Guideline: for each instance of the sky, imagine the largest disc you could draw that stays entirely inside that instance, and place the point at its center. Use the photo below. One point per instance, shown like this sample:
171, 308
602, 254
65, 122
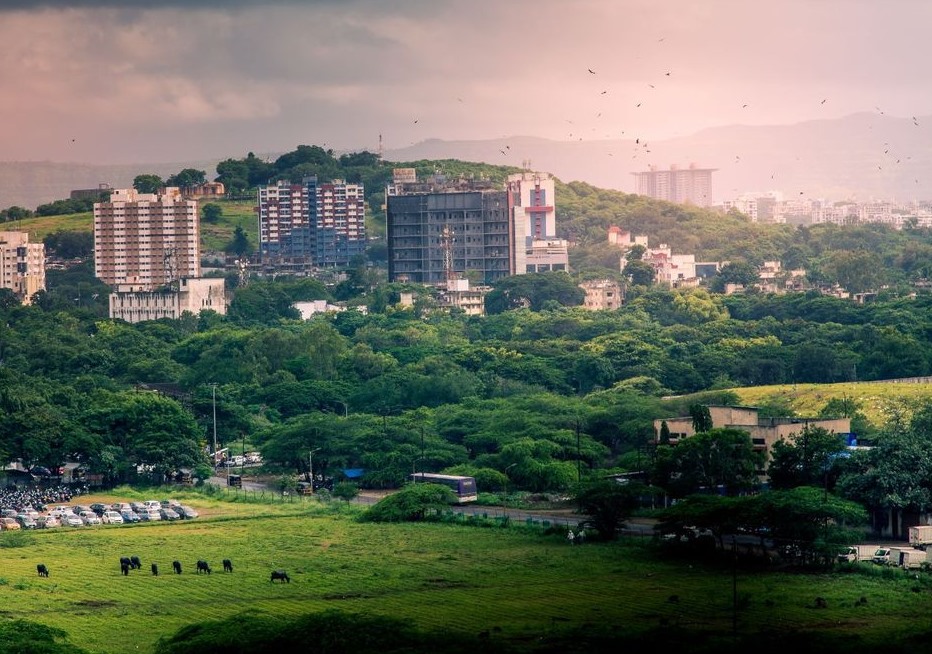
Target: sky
131, 81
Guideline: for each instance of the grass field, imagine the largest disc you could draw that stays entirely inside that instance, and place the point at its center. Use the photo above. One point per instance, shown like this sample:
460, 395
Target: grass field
516, 582
808, 399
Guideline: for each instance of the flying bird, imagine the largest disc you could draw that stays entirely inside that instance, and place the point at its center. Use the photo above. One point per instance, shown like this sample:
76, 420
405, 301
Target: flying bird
591, 71
503, 152
651, 85
603, 92
743, 106
415, 122
667, 74
823, 101
639, 104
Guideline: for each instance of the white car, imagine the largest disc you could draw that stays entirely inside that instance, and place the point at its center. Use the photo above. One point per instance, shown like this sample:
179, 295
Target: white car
71, 520
153, 515
152, 504
89, 518
111, 518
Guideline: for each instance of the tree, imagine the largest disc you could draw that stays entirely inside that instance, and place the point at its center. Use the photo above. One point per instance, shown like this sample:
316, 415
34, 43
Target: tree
346, 491
148, 183
608, 504
742, 273
212, 212
806, 460
240, 245
533, 290
187, 178
702, 418
639, 272
718, 459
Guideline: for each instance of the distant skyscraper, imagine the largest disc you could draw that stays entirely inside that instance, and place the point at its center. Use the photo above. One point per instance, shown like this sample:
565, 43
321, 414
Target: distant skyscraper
311, 224
22, 265
146, 240
533, 197
683, 185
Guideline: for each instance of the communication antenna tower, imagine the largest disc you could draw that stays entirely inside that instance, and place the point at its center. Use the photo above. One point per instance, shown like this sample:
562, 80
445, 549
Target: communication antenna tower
446, 244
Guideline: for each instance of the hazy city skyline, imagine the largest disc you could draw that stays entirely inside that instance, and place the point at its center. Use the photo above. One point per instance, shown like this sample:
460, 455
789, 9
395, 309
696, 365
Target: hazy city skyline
107, 82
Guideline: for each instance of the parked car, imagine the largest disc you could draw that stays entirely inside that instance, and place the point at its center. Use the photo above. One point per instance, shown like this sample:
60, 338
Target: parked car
169, 514
848, 555
111, 518
169, 504
25, 521
120, 507
71, 520
9, 524
8, 513
99, 508
31, 512
153, 515
152, 504
77, 509
138, 507
129, 516
186, 512
47, 522
58, 511
89, 518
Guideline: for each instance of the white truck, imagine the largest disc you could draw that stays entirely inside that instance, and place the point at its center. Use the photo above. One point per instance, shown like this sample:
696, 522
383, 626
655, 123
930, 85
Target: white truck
907, 557
920, 536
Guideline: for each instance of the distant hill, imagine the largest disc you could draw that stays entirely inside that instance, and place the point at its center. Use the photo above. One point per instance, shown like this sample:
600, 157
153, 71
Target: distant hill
31, 183
861, 156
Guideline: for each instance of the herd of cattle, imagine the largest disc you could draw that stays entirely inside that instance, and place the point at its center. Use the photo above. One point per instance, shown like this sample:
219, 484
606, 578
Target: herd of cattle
128, 563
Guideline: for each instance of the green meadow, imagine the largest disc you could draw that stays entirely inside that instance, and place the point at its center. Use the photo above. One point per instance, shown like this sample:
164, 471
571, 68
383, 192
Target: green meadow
518, 583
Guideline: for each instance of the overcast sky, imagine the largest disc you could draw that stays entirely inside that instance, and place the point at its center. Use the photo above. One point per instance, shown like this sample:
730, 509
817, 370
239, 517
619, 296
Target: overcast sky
108, 82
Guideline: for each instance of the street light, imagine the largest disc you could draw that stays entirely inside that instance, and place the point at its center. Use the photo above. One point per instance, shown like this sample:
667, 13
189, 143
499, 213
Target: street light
505, 494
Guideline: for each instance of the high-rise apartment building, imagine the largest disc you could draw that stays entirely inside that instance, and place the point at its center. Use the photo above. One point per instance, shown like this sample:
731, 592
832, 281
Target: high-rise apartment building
682, 185
147, 240
533, 198
311, 224
339, 229
22, 265
439, 230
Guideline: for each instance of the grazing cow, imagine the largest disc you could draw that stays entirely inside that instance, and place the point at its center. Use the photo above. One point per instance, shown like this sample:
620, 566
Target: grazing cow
135, 563
124, 568
227, 565
281, 575
155, 569
42, 570
203, 567
176, 566
124, 560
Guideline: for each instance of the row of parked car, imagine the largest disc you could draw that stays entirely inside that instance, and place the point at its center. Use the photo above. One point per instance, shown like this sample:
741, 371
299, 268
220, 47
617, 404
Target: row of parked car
80, 515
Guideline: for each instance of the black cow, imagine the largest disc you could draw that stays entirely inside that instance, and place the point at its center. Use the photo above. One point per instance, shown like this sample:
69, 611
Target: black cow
203, 567
227, 565
176, 566
124, 560
155, 569
42, 570
135, 563
281, 575
124, 568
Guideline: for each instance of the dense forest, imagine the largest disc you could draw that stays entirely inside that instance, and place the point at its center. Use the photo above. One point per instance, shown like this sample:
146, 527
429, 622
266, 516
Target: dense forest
533, 397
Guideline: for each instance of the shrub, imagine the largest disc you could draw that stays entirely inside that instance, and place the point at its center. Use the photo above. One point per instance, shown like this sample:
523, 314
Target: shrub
413, 502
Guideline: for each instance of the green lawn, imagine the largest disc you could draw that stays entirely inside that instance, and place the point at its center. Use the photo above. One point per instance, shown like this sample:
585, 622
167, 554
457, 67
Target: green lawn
516, 582
808, 399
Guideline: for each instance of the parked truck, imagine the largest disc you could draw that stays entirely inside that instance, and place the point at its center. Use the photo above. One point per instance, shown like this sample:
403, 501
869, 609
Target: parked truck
907, 557
920, 536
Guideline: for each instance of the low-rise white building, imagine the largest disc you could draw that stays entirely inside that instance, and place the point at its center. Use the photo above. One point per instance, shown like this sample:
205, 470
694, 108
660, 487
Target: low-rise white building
602, 294
133, 303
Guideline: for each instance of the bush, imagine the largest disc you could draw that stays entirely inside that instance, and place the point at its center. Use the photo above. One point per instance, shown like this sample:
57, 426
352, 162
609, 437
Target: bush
412, 503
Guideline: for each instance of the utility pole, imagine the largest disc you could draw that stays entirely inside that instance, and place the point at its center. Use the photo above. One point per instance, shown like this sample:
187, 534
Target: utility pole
213, 389
310, 466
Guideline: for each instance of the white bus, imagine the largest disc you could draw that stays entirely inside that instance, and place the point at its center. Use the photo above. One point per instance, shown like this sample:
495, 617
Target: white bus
463, 487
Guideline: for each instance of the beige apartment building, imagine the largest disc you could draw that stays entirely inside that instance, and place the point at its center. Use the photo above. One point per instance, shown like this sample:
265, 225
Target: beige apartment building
146, 239
22, 265
133, 304
602, 294
764, 432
